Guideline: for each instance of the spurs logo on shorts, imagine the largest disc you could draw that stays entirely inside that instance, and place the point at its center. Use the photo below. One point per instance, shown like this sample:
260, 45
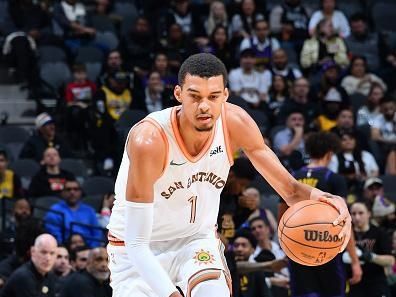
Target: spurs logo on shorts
203, 257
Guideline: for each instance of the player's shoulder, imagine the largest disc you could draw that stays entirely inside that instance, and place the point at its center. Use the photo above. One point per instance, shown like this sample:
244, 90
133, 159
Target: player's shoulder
236, 115
147, 137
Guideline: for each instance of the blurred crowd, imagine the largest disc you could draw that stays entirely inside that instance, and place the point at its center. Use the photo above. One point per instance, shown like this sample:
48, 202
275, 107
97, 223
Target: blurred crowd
303, 70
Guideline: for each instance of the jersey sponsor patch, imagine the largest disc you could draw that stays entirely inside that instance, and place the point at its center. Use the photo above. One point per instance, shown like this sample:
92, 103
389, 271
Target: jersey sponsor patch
203, 257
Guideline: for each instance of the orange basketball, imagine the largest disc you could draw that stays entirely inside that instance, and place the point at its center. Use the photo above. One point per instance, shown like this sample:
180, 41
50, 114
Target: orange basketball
307, 235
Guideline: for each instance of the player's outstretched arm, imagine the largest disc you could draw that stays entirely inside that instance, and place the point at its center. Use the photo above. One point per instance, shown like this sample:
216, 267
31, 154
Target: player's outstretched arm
147, 151
245, 135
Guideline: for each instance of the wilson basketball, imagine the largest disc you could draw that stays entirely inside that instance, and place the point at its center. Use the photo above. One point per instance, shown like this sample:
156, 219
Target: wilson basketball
307, 235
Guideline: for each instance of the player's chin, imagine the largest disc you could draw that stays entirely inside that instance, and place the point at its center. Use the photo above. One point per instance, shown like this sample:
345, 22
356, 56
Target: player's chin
204, 128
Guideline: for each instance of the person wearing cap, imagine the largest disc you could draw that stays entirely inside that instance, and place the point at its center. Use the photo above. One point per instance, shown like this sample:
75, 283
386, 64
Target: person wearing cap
248, 83
44, 137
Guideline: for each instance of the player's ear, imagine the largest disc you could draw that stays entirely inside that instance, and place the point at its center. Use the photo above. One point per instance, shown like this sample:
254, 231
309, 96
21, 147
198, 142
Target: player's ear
177, 93
226, 94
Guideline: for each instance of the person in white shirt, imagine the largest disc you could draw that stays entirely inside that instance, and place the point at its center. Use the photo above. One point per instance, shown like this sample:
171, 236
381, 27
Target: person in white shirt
248, 83
371, 109
328, 11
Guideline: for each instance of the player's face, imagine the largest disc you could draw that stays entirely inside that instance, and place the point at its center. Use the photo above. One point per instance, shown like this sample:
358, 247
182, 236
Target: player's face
360, 215
243, 249
202, 99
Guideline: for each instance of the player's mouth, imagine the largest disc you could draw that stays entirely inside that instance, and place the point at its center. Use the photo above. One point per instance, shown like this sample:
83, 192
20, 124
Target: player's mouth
204, 119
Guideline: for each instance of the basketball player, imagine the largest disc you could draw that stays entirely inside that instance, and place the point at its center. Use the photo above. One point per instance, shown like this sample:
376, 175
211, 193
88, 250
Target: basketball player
175, 164
314, 281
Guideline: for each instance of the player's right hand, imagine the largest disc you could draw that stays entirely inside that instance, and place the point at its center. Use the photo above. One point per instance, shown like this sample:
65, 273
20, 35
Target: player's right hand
176, 294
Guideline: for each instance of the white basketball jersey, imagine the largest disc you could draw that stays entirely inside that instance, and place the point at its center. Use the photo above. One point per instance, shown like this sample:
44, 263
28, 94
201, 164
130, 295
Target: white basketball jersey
187, 195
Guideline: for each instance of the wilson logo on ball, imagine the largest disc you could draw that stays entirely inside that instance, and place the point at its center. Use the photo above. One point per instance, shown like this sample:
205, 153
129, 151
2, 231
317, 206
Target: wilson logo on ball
313, 235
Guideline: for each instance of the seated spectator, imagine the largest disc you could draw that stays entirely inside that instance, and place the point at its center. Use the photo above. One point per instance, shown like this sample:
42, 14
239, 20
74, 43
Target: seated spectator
253, 283
81, 91
10, 183
328, 11
359, 80
267, 250
288, 143
51, 179
79, 258
367, 114
71, 17
75, 240
219, 46
250, 198
62, 268
242, 23
217, 17
281, 67
161, 65
323, 46
35, 275
156, 97
289, 21
74, 211
331, 106
364, 43
299, 100
277, 95
105, 210
391, 163
94, 280
353, 163
44, 137
375, 247
262, 45
249, 84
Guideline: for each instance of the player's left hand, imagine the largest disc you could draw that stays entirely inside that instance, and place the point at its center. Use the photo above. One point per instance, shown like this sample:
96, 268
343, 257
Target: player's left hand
344, 218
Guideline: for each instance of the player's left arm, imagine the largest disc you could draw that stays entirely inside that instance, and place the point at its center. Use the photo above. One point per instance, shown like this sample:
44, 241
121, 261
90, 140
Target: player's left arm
244, 134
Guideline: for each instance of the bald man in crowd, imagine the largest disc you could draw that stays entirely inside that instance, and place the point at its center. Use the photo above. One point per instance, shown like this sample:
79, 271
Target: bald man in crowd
34, 277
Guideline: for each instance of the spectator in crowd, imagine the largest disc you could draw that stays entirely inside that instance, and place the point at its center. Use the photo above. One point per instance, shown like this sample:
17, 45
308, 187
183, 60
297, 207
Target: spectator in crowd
323, 46
161, 65
375, 247
367, 113
71, 17
217, 17
353, 162
31, 28
383, 129
299, 100
74, 241
51, 179
79, 258
249, 84
233, 211
288, 143
105, 209
10, 183
253, 283
267, 250
44, 137
219, 46
74, 211
359, 79
62, 268
362, 42
35, 275
78, 95
262, 44
277, 95
289, 21
93, 281
156, 97
242, 23
280, 66
390, 167
250, 198
139, 45
331, 106
337, 18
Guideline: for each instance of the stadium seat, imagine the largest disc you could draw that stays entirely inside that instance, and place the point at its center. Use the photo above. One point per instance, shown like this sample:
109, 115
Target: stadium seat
102, 23
51, 54
87, 54
55, 74
13, 134
13, 150
93, 70
106, 40
42, 204
389, 186
383, 15
98, 185
95, 201
75, 166
128, 118
25, 169
350, 7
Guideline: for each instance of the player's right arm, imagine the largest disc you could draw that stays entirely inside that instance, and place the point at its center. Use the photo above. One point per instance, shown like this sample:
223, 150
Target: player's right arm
147, 150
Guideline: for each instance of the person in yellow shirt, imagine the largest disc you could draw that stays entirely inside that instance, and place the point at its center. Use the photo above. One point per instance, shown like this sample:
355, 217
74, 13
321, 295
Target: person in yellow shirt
10, 183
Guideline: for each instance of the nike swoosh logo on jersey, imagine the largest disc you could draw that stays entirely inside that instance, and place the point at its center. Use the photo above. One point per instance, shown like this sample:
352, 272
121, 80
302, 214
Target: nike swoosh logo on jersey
177, 164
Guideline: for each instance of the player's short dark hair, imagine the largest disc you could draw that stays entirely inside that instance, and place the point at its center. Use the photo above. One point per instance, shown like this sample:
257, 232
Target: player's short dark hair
203, 65
246, 234
318, 144
243, 168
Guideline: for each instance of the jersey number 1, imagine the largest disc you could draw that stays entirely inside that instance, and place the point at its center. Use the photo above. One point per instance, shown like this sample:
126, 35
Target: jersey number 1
193, 201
